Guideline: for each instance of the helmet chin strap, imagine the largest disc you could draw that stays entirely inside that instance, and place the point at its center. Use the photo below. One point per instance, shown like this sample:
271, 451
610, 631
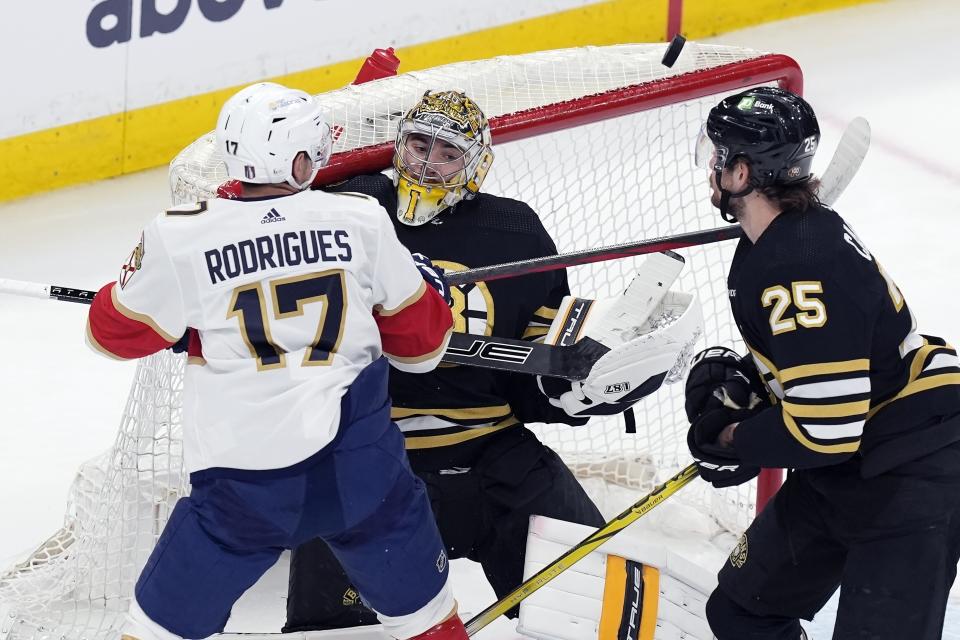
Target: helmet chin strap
725, 197
300, 186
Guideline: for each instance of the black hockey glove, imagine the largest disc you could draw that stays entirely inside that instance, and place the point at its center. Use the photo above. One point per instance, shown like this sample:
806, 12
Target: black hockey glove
717, 464
719, 378
433, 276
183, 343
570, 397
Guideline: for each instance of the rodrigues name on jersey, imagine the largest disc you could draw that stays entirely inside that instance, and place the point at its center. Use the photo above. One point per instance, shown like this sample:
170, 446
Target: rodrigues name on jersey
286, 316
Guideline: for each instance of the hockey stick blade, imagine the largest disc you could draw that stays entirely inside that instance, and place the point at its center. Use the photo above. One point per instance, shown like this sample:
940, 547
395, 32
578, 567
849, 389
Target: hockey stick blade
582, 549
843, 166
846, 161
520, 356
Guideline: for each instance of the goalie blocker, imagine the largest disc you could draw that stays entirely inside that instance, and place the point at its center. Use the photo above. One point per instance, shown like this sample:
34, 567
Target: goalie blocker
628, 589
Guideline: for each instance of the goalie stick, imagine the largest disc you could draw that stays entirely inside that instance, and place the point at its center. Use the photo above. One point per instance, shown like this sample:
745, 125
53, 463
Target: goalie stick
846, 161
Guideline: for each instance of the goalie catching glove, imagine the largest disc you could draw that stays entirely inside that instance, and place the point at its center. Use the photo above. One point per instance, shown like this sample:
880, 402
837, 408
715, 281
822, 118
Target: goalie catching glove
644, 348
629, 588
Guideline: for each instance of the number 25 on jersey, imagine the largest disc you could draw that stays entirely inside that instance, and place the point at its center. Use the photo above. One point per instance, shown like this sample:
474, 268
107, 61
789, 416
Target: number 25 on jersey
812, 313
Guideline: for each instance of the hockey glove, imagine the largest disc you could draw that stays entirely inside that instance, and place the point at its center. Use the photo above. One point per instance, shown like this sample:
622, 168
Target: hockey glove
717, 464
585, 399
433, 276
183, 343
721, 378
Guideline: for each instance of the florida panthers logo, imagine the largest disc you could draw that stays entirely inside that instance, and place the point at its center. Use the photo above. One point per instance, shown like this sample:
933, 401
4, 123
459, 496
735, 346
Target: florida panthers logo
132, 265
472, 304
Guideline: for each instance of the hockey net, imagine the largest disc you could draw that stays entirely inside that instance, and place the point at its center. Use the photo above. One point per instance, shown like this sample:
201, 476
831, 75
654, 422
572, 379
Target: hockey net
599, 142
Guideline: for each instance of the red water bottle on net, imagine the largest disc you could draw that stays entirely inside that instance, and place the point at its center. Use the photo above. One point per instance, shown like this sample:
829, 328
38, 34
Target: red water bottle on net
382, 63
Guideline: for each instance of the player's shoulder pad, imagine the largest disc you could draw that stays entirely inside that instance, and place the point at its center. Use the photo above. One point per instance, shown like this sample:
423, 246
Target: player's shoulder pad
503, 214
373, 184
808, 240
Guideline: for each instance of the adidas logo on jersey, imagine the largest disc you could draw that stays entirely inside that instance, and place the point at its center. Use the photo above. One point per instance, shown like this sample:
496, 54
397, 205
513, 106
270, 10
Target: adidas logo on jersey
272, 216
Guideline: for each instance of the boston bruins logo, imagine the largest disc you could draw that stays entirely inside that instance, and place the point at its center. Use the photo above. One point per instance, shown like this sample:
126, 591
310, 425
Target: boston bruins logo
351, 597
451, 109
738, 557
472, 304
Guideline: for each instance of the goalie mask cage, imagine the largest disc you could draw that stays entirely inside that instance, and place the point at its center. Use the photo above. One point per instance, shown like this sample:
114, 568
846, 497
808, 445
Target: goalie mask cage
597, 140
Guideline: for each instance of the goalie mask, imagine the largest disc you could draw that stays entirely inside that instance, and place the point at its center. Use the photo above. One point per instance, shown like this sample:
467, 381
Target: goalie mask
442, 154
263, 128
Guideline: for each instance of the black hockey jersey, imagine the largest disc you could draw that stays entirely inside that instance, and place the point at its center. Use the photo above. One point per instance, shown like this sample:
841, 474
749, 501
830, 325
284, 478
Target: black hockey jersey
445, 414
838, 348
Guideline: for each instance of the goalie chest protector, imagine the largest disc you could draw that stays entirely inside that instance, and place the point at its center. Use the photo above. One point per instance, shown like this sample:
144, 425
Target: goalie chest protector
446, 406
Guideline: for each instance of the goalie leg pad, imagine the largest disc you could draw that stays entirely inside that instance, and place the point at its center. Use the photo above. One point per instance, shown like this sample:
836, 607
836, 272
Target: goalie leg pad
627, 589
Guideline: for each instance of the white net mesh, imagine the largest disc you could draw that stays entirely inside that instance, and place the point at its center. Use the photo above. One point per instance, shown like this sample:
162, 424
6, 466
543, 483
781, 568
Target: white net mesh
601, 182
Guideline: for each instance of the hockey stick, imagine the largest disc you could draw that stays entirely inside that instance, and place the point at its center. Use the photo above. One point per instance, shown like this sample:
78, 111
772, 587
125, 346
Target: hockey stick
51, 291
846, 161
572, 362
505, 354
579, 551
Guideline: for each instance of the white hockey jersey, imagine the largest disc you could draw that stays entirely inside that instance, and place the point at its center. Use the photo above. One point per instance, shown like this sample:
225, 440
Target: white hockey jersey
291, 297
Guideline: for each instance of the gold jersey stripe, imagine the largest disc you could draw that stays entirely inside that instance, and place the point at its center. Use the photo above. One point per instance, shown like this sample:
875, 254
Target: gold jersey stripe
198, 360
839, 410
546, 312
614, 590
765, 361
917, 386
920, 358
534, 332
467, 413
416, 295
846, 447
431, 442
824, 368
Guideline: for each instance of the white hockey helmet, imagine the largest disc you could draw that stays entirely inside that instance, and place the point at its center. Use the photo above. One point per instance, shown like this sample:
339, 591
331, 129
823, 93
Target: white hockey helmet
442, 154
263, 127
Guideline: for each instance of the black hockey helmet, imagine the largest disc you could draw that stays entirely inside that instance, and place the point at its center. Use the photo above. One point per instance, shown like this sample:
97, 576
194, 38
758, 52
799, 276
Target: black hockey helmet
775, 130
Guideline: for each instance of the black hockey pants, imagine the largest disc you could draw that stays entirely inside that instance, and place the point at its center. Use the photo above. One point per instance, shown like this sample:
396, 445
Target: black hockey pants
891, 543
482, 512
